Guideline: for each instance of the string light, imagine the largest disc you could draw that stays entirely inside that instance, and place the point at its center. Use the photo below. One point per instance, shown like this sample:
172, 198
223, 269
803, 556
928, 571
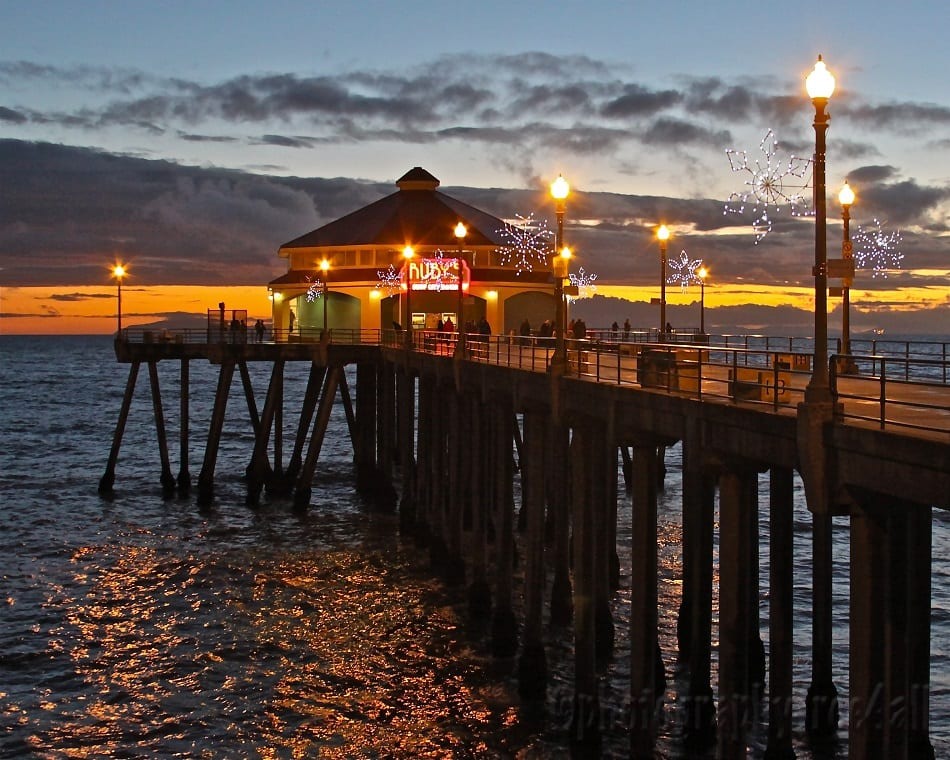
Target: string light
684, 271
772, 184
877, 250
529, 243
389, 280
584, 281
314, 290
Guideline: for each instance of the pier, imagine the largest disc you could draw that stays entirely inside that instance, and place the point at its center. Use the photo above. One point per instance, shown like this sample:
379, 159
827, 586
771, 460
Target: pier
440, 432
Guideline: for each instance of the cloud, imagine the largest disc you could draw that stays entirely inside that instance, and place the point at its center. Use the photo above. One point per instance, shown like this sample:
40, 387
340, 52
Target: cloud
9, 115
77, 297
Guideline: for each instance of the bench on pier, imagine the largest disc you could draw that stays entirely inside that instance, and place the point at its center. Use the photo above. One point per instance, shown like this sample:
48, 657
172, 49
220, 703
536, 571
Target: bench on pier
674, 370
755, 384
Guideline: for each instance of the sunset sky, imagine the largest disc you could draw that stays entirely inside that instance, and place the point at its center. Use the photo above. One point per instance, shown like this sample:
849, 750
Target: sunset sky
190, 140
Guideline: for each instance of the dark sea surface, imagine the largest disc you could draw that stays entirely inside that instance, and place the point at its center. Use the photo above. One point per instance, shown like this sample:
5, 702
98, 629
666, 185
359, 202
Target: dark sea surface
139, 627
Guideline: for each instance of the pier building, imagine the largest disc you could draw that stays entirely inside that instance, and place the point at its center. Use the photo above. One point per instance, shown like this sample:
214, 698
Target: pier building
367, 279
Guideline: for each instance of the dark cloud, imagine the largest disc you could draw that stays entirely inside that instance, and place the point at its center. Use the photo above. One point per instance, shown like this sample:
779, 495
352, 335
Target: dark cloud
864, 175
14, 117
675, 132
76, 297
637, 100
900, 117
206, 138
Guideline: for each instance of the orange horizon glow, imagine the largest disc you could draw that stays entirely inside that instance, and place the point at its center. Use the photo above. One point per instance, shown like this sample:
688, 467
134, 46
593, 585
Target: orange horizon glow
90, 310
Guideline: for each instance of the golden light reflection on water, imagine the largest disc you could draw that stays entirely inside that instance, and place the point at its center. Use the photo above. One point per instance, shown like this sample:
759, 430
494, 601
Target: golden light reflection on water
327, 654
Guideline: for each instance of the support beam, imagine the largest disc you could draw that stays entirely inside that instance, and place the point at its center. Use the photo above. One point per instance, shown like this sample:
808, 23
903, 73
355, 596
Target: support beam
107, 481
184, 476
302, 491
311, 395
532, 664
562, 609
645, 695
585, 723
504, 631
206, 476
781, 613
167, 479
695, 627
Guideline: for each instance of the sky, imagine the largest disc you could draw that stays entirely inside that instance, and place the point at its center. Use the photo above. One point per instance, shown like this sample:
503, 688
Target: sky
190, 140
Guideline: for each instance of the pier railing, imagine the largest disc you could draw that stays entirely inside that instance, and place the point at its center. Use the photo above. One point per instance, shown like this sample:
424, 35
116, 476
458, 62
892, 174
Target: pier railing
904, 386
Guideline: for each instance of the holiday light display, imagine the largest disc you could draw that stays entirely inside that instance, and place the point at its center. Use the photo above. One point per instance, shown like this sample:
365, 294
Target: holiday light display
771, 185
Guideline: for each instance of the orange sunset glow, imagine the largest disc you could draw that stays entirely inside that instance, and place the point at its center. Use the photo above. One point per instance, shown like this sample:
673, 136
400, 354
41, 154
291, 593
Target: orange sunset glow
91, 310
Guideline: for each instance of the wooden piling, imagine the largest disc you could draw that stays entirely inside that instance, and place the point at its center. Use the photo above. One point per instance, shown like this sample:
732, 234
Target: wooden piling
532, 664
585, 722
781, 613
183, 481
562, 610
206, 476
695, 622
866, 632
167, 479
504, 629
302, 491
107, 481
645, 696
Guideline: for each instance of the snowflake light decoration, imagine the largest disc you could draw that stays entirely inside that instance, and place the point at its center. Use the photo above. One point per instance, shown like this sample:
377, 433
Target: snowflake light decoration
877, 250
314, 290
683, 271
770, 185
440, 278
528, 244
585, 284
389, 280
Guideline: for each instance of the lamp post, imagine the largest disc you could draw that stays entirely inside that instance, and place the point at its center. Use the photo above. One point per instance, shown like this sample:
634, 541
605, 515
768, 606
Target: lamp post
817, 411
820, 85
325, 268
118, 271
702, 273
460, 233
407, 254
559, 191
846, 198
663, 235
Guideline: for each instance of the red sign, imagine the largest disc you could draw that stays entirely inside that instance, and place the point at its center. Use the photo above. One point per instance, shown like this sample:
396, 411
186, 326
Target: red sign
436, 274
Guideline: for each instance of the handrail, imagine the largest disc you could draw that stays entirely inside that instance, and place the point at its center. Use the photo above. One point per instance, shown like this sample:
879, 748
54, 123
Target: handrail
907, 392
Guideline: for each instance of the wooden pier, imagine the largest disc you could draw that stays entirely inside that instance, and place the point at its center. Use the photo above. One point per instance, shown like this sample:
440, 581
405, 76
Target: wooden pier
436, 435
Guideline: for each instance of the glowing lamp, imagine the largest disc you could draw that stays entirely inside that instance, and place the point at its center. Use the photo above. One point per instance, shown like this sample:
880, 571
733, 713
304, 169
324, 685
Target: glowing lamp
560, 188
820, 84
408, 252
460, 231
663, 233
846, 195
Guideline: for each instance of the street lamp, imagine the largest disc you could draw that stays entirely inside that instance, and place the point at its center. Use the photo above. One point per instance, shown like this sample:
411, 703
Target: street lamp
663, 235
407, 254
846, 198
702, 273
118, 271
325, 268
460, 233
820, 85
559, 191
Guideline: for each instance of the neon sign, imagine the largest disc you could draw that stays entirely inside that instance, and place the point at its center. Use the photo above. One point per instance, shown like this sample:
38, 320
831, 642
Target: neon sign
436, 274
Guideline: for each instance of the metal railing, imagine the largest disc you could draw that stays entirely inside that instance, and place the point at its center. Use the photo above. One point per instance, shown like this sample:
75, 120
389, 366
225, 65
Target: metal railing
908, 391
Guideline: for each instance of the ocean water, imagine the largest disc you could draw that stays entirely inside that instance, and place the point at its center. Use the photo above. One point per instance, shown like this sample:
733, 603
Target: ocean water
138, 626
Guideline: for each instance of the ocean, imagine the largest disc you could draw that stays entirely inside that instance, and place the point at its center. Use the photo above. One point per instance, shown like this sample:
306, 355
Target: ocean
137, 626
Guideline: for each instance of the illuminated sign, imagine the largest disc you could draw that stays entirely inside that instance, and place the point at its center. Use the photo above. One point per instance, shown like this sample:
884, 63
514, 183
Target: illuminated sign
436, 274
